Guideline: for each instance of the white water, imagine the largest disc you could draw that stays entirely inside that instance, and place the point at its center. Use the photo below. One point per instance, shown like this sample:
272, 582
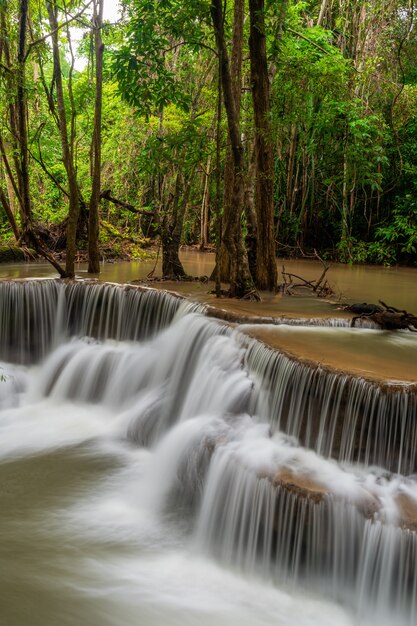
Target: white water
103, 552
136, 487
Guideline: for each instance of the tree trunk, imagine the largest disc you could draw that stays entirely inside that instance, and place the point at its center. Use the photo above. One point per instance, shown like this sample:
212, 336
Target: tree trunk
171, 264
205, 207
172, 227
8, 210
67, 152
229, 167
93, 224
21, 106
250, 213
266, 269
240, 278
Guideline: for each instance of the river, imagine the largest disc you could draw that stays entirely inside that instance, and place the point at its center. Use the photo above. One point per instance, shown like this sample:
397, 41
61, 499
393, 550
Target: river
136, 468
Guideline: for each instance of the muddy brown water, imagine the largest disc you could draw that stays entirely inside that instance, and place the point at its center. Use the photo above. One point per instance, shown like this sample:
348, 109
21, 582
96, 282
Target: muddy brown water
77, 544
391, 356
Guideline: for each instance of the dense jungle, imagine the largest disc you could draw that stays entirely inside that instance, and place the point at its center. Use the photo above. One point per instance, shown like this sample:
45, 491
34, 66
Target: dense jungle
256, 128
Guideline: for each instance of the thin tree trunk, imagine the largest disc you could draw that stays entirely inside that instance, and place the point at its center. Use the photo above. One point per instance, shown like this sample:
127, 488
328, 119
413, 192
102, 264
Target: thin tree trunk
171, 230
290, 168
205, 207
28, 232
266, 269
250, 212
67, 152
93, 225
8, 210
229, 167
240, 278
21, 106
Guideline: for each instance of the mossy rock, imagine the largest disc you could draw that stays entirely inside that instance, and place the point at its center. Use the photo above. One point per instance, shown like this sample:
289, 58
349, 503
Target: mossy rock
10, 254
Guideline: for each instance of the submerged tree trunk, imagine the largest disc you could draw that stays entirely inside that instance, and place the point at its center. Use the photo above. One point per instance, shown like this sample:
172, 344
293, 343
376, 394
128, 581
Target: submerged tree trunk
239, 275
266, 269
93, 223
172, 227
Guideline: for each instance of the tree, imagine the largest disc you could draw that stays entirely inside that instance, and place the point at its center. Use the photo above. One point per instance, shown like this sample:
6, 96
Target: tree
266, 269
18, 118
161, 46
241, 282
93, 224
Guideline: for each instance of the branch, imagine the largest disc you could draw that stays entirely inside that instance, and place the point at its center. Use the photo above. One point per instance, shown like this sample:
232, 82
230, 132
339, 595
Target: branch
316, 45
43, 39
5, 68
41, 162
313, 43
9, 171
107, 196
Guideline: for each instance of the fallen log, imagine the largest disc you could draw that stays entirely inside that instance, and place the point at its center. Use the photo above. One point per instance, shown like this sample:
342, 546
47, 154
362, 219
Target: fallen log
385, 316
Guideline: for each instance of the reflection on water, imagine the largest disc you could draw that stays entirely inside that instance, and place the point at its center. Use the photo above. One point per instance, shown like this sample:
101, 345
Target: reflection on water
376, 354
360, 283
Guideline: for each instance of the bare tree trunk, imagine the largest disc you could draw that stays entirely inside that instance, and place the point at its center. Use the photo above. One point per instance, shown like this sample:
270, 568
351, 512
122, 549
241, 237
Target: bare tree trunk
67, 151
8, 210
290, 169
172, 226
266, 269
93, 224
229, 167
205, 207
12, 186
28, 231
240, 278
21, 106
171, 230
250, 213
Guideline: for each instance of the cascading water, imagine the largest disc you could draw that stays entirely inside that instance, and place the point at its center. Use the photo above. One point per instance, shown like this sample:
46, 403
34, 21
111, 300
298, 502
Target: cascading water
139, 439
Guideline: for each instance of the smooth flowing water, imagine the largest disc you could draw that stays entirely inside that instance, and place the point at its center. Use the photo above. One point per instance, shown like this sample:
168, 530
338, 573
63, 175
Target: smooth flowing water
158, 467
376, 355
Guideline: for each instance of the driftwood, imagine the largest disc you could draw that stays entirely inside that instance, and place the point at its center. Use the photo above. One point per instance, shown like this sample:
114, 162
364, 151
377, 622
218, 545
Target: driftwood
385, 316
319, 287
364, 309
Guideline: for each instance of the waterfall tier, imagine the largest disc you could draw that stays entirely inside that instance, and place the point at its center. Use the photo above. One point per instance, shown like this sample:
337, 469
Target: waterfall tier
286, 471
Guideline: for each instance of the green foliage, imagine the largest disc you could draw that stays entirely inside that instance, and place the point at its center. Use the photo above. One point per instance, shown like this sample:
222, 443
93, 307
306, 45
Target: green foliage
147, 65
345, 133
353, 251
400, 234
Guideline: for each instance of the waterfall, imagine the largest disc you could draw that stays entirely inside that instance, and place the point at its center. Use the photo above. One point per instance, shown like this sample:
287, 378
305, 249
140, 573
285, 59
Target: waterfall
338, 415
35, 315
285, 472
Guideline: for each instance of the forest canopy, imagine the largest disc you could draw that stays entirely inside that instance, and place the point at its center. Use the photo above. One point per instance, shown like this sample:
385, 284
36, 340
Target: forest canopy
258, 127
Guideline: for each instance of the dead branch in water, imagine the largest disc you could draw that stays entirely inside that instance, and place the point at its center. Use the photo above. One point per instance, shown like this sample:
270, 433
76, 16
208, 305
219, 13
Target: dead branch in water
385, 316
320, 287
